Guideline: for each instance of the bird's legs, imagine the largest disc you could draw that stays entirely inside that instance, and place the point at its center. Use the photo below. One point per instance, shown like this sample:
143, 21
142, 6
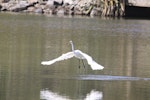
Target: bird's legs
82, 63
79, 63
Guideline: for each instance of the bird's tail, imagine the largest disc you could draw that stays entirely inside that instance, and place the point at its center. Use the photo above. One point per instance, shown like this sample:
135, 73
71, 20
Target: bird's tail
96, 66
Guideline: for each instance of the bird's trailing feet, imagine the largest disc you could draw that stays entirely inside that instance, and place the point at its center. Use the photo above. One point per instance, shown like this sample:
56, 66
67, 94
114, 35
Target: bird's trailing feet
82, 63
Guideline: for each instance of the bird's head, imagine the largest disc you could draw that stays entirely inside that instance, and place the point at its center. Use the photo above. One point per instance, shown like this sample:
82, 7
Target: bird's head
72, 46
70, 41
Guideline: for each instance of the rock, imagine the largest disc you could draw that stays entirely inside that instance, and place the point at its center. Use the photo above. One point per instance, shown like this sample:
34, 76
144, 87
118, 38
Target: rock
31, 9
16, 7
50, 3
32, 1
19, 6
94, 12
47, 11
54, 2
60, 11
58, 2
5, 6
4, 1
88, 10
38, 10
70, 2
37, 5
50, 10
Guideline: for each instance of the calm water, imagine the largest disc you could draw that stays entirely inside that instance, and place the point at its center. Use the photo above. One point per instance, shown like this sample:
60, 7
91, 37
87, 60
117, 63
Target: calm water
122, 46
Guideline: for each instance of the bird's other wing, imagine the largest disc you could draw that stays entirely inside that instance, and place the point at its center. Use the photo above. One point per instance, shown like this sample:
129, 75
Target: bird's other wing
62, 57
91, 62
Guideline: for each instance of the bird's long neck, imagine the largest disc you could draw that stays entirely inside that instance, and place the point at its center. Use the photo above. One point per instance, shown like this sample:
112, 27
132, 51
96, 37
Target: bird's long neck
72, 46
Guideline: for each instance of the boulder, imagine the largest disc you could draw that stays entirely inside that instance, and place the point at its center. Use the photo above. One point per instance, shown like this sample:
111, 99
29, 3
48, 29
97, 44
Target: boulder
31, 9
50, 3
54, 2
4, 1
32, 1
58, 2
18, 6
94, 12
38, 10
60, 12
22, 5
70, 2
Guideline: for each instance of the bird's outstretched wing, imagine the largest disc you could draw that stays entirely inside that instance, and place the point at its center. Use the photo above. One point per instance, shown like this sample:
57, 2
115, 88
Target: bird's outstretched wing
62, 57
91, 62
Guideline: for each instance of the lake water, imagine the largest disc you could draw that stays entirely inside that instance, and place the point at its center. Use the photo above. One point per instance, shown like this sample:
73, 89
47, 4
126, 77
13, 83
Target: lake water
122, 46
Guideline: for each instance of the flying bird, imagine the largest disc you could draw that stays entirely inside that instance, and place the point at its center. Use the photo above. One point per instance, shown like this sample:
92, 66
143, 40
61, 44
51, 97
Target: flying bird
78, 54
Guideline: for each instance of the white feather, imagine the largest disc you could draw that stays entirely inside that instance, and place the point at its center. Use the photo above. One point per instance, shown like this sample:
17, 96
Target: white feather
62, 57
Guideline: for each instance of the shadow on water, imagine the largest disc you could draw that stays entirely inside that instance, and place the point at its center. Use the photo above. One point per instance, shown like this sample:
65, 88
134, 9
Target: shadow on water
110, 78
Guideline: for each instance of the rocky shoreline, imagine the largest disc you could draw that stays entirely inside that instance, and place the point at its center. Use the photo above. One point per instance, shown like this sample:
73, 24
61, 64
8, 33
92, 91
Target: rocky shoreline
64, 7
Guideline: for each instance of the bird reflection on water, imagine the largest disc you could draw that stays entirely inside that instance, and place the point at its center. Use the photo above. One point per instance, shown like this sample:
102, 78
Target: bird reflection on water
49, 95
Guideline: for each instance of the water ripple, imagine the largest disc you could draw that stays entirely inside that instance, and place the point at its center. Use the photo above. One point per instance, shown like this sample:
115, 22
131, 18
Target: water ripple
110, 78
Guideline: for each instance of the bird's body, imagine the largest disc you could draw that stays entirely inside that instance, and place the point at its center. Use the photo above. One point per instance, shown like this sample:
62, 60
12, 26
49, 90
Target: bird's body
78, 54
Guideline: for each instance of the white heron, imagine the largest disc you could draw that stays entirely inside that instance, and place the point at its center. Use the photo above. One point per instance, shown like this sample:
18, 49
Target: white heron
78, 54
